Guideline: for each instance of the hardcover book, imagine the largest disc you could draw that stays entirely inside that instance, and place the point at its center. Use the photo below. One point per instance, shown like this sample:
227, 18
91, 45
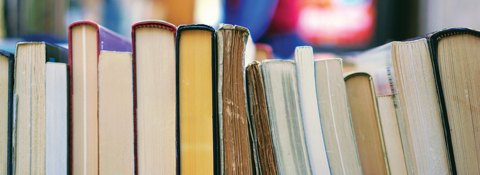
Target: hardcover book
197, 116
7, 61
86, 40
456, 65
366, 123
154, 96
30, 87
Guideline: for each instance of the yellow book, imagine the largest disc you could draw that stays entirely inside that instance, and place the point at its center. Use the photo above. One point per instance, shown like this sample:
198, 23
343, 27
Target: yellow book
195, 99
366, 123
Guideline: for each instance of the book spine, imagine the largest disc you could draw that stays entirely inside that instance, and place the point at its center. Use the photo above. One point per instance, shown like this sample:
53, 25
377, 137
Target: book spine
11, 64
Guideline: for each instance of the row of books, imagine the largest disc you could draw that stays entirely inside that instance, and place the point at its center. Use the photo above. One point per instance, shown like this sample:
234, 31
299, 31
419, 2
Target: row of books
184, 101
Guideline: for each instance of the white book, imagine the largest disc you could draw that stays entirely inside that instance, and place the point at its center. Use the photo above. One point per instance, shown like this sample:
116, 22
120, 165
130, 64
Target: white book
309, 108
285, 117
336, 120
56, 118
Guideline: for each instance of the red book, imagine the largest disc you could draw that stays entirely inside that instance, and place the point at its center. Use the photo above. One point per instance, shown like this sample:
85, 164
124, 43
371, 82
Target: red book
154, 77
86, 40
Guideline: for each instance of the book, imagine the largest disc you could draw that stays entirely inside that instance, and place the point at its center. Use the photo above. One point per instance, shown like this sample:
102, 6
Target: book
7, 61
404, 69
154, 96
280, 80
56, 116
259, 120
115, 113
335, 118
197, 120
86, 40
309, 109
455, 60
366, 123
235, 152
391, 135
30, 86
263, 52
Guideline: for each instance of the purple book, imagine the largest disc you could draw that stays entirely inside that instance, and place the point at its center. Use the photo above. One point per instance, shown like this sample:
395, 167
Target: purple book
106, 40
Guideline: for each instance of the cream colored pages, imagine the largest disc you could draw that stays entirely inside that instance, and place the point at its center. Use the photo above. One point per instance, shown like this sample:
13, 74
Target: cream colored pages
156, 100
391, 133
419, 105
84, 100
363, 109
115, 113
30, 88
459, 68
335, 116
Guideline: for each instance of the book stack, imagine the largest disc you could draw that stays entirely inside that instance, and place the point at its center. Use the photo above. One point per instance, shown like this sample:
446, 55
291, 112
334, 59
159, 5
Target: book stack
186, 101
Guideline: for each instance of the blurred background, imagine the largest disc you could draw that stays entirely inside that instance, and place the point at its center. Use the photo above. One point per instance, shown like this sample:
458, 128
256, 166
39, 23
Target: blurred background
333, 27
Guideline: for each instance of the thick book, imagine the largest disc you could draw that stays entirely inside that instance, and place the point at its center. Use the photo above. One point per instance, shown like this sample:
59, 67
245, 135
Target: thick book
366, 123
85, 40
310, 112
259, 120
154, 96
404, 70
335, 118
455, 57
235, 151
280, 81
7, 61
197, 116
115, 113
30, 87
56, 119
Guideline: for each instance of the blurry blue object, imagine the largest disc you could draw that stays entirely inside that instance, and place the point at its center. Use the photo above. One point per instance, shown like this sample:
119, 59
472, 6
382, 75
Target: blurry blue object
49, 38
283, 45
112, 15
9, 44
252, 14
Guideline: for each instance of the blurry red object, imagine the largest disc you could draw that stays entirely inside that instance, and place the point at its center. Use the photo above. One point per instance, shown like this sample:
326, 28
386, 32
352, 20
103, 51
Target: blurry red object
337, 23
285, 18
